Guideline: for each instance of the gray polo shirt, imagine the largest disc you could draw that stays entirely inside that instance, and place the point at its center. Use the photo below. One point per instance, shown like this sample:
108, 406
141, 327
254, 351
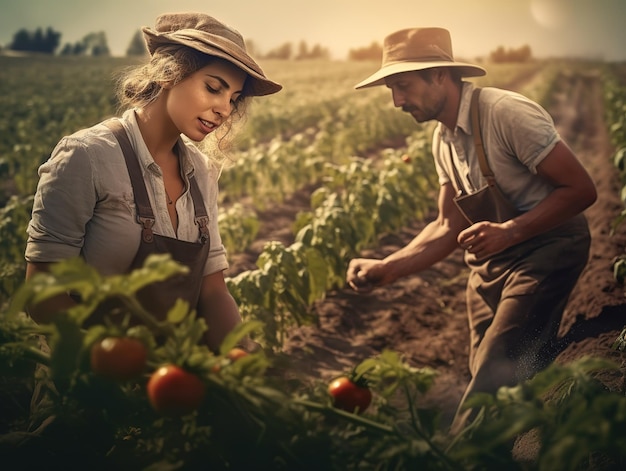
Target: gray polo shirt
84, 203
517, 135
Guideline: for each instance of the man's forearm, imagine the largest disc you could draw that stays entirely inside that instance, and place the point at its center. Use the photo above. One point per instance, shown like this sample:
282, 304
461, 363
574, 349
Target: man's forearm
430, 246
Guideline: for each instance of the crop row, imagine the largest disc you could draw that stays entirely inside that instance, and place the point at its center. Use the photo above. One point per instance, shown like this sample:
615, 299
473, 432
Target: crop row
615, 106
359, 201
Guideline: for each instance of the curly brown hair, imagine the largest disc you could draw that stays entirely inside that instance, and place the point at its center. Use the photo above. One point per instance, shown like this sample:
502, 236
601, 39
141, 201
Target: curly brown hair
140, 86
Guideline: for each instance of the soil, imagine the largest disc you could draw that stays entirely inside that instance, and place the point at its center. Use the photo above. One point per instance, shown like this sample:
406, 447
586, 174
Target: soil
423, 316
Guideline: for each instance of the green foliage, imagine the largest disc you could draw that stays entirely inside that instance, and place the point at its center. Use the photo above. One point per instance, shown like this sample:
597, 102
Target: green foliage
253, 418
570, 411
281, 290
238, 227
620, 341
14, 217
359, 201
615, 106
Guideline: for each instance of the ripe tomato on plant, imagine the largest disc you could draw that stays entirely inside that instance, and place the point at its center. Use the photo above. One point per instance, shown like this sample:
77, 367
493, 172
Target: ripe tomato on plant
232, 356
350, 395
118, 358
406, 158
175, 391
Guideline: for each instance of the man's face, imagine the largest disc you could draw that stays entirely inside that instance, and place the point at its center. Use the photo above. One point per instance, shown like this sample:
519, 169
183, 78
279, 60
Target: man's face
419, 94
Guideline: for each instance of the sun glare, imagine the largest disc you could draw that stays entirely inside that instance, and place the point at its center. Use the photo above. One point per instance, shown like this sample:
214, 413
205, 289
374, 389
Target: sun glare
549, 13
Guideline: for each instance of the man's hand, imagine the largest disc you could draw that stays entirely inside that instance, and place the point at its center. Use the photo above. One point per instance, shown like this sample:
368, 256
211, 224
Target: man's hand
364, 274
485, 239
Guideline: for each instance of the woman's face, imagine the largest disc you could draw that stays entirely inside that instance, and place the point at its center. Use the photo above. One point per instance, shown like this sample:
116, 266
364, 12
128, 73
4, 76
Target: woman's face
201, 102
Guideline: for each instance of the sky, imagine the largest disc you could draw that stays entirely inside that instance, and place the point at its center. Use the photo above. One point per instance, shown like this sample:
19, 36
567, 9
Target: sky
552, 28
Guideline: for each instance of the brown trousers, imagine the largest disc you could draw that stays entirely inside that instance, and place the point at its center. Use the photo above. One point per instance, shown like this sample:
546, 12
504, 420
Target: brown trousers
515, 301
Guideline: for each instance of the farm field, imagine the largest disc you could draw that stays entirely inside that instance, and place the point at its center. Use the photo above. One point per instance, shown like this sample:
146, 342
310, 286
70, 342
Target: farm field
300, 156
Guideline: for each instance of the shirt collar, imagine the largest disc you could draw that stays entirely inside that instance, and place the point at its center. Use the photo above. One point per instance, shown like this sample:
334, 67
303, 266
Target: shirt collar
463, 120
129, 119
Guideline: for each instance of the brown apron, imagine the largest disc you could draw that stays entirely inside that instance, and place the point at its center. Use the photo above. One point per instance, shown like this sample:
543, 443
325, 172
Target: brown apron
159, 297
488, 203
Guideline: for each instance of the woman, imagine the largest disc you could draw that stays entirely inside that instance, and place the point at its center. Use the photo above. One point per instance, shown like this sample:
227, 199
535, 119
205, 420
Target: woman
135, 185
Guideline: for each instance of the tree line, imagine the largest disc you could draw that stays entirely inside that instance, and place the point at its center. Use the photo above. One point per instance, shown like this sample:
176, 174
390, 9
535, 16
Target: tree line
49, 41
95, 44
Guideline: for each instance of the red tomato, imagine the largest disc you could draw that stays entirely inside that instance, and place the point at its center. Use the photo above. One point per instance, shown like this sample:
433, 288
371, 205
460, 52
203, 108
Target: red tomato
406, 159
349, 396
233, 355
118, 358
174, 391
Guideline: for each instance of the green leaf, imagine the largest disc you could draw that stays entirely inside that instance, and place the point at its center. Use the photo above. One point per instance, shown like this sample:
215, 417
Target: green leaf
236, 335
66, 346
178, 312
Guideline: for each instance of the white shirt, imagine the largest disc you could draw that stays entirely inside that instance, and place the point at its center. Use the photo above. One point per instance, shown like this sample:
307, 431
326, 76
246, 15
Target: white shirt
517, 135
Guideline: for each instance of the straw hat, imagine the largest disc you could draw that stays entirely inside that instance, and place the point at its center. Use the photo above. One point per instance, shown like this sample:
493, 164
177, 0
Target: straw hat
417, 49
210, 36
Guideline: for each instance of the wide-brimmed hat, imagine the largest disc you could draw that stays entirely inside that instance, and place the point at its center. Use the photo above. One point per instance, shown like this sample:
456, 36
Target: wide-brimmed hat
418, 49
210, 36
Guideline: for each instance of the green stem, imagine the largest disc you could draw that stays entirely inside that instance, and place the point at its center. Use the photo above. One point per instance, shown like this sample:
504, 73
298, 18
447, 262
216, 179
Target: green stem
146, 318
424, 436
29, 353
346, 415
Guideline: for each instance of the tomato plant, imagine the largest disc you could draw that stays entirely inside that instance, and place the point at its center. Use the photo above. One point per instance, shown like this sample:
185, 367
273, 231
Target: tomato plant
174, 391
233, 355
350, 395
236, 353
118, 358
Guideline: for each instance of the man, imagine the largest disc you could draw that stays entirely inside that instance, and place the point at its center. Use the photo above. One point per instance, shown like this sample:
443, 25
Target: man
524, 264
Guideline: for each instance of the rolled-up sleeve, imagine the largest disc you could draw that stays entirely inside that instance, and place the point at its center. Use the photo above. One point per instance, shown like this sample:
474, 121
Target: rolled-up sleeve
217, 259
525, 129
63, 204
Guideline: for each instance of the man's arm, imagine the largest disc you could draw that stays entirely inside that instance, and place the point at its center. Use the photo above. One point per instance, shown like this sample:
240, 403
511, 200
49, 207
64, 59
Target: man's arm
574, 191
431, 245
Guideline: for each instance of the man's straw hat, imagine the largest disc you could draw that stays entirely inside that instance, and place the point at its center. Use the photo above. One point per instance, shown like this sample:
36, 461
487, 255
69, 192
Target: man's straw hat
417, 49
210, 36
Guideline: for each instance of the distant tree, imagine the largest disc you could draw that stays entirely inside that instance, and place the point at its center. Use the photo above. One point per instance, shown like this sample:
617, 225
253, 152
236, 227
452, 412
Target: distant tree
320, 52
93, 44
96, 44
137, 46
316, 52
21, 41
373, 52
67, 50
500, 54
36, 41
303, 51
283, 52
524, 54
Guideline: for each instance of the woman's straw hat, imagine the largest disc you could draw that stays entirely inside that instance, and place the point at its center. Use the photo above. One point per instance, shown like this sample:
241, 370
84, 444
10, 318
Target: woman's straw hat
417, 49
210, 36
